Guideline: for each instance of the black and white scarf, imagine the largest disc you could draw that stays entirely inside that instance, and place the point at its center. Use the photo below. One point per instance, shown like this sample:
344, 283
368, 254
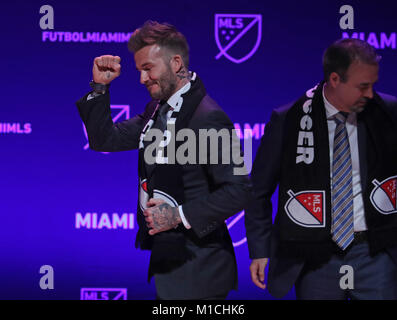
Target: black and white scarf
164, 181
304, 207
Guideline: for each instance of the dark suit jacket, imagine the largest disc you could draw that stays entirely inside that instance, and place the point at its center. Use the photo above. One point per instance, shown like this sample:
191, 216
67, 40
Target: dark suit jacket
262, 235
212, 194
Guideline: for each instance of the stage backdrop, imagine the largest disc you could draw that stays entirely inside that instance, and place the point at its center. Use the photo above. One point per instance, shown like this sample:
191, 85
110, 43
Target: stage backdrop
71, 212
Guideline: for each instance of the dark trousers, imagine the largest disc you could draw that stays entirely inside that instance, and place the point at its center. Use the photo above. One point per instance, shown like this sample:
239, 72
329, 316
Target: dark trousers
374, 277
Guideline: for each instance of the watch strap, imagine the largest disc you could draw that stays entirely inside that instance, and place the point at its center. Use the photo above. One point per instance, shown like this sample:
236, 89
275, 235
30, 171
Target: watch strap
99, 87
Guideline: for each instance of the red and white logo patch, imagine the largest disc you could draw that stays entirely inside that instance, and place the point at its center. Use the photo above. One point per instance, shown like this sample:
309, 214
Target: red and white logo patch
143, 194
307, 208
384, 195
157, 194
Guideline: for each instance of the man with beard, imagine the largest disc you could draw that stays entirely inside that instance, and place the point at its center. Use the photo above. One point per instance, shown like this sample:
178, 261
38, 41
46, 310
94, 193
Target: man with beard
182, 207
333, 154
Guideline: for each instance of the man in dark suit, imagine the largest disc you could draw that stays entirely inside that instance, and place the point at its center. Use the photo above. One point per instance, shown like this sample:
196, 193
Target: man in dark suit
183, 204
333, 156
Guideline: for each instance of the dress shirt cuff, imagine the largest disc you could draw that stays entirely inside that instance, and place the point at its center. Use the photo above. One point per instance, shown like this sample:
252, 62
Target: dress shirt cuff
184, 221
93, 95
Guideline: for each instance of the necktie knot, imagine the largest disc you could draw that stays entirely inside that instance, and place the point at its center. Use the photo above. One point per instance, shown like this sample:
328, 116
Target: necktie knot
164, 109
341, 117
161, 121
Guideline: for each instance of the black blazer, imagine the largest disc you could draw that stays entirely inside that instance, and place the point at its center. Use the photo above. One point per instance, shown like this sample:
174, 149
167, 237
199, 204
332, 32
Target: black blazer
212, 194
262, 235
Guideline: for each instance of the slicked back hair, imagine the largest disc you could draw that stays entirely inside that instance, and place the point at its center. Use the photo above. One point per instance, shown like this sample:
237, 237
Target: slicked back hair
164, 35
342, 53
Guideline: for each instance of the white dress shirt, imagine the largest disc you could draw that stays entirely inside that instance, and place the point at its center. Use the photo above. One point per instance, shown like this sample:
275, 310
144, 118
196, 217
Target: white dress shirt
351, 127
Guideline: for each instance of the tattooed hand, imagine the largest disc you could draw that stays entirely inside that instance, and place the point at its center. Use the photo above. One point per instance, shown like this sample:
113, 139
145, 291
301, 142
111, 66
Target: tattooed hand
106, 68
160, 216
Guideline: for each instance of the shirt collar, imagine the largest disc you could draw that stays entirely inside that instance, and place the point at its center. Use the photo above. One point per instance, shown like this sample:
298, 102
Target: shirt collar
330, 110
173, 100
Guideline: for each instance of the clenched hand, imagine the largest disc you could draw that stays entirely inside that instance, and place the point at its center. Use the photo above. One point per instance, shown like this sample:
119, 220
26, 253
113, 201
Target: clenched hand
106, 68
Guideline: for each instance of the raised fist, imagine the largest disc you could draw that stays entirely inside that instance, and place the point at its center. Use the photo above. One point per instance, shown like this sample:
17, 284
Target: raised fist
106, 68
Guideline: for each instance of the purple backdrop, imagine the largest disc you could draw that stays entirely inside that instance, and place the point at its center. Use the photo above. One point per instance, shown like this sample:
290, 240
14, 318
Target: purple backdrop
252, 57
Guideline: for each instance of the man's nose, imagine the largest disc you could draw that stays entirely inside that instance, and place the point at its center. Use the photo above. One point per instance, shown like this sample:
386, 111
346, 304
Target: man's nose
369, 93
144, 76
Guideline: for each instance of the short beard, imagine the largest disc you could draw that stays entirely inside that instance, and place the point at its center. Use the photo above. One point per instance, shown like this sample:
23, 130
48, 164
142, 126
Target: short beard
359, 108
167, 84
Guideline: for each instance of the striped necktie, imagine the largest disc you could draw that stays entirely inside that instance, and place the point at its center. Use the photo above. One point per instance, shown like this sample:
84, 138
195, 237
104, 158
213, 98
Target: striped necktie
342, 228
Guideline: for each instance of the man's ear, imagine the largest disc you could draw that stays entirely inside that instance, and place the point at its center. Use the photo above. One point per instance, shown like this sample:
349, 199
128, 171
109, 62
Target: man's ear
176, 63
334, 79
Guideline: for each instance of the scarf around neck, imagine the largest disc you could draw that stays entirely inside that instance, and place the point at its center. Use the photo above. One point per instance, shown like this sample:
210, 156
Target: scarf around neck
304, 209
164, 181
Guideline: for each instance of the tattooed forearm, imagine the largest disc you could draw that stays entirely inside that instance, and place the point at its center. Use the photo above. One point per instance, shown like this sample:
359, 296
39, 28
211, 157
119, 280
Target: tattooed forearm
165, 217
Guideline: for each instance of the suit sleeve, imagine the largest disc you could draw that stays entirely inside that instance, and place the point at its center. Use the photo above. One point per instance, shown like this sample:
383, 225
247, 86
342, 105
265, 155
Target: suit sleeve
265, 177
230, 192
391, 104
103, 134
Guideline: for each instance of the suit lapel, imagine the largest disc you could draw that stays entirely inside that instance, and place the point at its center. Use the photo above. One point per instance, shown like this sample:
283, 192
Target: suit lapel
362, 151
149, 168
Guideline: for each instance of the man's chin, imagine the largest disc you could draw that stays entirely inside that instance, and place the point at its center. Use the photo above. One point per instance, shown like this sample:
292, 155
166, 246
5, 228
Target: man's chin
155, 95
358, 108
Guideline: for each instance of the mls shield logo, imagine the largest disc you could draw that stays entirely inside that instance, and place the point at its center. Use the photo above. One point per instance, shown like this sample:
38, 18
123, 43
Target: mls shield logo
158, 194
237, 35
103, 294
306, 208
384, 195
119, 113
